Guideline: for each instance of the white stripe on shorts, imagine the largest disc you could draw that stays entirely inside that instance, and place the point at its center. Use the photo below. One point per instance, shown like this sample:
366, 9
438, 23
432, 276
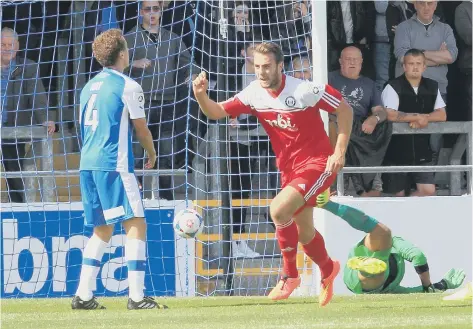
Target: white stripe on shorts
318, 184
114, 213
133, 193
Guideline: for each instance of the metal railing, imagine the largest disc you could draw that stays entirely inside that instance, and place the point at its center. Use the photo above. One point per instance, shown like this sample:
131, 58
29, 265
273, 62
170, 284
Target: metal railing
44, 151
462, 145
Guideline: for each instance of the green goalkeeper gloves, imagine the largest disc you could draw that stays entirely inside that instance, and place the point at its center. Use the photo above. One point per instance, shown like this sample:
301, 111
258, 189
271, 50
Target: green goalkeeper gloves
454, 278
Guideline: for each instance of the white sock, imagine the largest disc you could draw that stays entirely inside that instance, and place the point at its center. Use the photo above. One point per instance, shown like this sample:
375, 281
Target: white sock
135, 253
91, 259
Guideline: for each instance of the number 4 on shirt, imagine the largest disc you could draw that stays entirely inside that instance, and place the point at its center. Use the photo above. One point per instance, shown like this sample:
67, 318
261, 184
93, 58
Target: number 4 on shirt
91, 115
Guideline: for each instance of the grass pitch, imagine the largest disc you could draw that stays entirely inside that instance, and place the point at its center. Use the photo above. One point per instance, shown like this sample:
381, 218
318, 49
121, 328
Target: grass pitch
368, 311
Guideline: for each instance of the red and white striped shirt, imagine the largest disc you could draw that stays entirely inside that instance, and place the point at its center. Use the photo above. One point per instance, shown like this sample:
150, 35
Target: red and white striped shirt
291, 118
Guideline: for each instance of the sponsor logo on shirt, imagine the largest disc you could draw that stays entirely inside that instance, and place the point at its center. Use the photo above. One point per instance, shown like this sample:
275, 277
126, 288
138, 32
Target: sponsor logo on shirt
282, 122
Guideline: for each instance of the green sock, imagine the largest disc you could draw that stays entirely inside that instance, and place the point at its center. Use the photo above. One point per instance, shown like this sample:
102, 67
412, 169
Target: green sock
354, 217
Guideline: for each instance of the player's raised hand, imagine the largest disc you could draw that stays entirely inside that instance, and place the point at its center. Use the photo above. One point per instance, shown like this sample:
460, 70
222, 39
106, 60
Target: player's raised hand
200, 84
335, 162
151, 161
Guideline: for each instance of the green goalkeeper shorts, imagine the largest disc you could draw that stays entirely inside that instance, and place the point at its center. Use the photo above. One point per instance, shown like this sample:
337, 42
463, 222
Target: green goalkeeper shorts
350, 277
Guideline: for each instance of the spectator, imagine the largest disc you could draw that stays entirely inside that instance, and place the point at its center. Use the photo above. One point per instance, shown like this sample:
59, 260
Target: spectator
23, 103
424, 31
301, 68
370, 135
240, 158
161, 63
463, 25
417, 100
291, 26
396, 13
382, 47
350, 23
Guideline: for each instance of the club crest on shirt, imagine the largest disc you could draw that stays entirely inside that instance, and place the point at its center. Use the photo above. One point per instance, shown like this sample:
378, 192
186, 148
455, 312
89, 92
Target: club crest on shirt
290, 101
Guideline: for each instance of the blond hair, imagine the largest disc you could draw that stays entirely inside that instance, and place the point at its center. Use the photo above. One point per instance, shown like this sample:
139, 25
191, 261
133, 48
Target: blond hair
107, 47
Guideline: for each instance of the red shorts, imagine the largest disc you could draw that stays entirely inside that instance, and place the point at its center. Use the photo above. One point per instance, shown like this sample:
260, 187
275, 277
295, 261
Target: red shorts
309, 180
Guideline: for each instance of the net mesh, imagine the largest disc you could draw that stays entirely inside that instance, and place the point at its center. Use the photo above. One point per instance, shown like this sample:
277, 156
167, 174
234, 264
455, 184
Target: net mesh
225, 169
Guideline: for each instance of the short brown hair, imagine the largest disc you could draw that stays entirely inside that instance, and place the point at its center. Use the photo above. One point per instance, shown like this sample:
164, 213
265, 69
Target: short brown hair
270, 48
107, 46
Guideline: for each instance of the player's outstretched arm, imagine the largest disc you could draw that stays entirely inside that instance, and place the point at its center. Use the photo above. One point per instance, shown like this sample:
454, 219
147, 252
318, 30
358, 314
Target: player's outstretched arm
344, 114
211, 109
146, 140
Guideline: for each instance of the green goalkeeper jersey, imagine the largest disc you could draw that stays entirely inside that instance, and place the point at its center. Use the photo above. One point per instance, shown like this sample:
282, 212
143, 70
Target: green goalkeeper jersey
394, 257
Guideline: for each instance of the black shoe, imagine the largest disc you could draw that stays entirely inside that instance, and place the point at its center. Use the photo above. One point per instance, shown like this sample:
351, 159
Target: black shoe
79, 304
145, 303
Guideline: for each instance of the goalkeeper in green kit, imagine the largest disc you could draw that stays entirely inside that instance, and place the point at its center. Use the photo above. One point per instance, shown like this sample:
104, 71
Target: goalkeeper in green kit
376, 264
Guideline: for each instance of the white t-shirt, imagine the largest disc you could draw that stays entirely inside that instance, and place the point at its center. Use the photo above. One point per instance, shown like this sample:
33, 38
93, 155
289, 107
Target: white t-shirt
390, 98
347, 20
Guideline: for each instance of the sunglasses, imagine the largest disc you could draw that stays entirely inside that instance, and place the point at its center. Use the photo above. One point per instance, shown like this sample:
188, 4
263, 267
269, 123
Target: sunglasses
155, 9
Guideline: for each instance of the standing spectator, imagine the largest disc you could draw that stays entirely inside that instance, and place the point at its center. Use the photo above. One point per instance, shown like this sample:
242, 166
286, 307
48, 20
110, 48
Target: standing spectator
240, 158
370, 137
23, 103
463, 25
396, 13
301, 68
382, 47
417, 100
350, 23
424, 31
161, 63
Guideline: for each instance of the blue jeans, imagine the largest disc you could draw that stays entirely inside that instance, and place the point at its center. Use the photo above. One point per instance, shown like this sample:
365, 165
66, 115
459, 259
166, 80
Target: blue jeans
382, 55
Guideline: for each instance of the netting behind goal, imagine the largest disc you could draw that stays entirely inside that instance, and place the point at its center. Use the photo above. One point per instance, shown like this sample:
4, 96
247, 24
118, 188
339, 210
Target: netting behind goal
225, 169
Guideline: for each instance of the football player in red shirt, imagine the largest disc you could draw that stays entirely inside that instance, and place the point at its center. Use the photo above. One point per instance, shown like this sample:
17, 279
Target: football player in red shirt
289, 110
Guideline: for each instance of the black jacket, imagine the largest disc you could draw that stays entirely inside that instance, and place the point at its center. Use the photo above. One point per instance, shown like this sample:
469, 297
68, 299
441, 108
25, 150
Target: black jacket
412, 149
26, 100
363, 15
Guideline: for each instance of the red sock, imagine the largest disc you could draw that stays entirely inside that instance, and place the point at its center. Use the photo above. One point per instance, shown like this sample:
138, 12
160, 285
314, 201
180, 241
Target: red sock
315, 249
288, 236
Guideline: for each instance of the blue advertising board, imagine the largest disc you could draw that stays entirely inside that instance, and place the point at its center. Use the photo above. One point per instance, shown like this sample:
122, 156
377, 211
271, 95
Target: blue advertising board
42, 254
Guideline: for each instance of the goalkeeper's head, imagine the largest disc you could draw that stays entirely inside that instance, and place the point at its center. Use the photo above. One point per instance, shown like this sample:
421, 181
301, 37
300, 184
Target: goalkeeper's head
269, 63
111, 50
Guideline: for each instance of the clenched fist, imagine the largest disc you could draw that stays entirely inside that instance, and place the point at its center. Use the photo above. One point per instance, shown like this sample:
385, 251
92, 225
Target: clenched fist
200, 84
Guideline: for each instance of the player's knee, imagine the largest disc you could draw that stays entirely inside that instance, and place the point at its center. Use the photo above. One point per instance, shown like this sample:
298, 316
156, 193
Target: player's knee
104, 232
382, 233
278, 214
426, 189
135, 228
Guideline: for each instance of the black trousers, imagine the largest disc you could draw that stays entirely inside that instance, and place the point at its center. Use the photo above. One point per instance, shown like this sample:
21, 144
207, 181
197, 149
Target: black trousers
12, 158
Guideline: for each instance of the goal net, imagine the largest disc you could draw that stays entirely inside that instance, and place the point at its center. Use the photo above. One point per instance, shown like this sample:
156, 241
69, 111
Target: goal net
225, 170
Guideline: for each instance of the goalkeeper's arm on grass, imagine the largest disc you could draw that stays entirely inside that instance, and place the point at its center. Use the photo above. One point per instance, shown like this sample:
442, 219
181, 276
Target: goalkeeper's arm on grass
452, 280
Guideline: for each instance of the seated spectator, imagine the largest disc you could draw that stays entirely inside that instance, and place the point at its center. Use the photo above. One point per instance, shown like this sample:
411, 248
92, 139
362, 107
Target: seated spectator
417, 100
463, 25
370, 135
161, 63
23, 103
350, 23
